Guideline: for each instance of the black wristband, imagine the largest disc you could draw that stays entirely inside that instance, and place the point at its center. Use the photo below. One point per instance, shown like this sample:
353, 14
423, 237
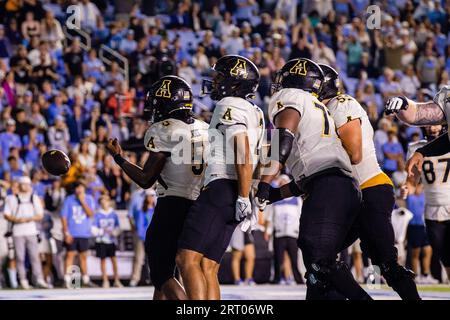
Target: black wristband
263, 188
295, 189
274, 195
119, 159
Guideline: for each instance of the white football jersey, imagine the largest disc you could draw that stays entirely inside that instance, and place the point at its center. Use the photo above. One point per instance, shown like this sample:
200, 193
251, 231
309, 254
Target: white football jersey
436, 182
343, 109
185, 142
232, 115
442, 98
316, 144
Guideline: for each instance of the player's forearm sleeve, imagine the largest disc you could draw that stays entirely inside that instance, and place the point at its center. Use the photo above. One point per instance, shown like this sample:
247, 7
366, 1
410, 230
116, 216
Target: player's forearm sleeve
437, 147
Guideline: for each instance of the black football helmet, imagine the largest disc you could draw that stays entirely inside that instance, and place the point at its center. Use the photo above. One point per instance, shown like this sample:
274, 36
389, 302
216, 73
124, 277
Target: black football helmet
299, 73
233, 76
330, 87
167, 95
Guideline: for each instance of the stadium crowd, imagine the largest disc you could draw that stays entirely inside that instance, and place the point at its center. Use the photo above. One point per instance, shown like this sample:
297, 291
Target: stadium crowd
62, 88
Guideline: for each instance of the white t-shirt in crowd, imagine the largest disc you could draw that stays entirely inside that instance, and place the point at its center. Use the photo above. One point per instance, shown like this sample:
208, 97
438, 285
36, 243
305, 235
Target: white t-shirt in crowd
28, 208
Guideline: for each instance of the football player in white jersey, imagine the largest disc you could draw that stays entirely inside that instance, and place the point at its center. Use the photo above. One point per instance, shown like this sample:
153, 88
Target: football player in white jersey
236, 130
175, 141
424, 114
310, 147
435, 179
356, 133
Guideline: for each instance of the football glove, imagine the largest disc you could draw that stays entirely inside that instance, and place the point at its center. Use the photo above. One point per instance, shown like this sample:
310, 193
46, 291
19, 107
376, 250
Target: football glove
394, 105
243, 208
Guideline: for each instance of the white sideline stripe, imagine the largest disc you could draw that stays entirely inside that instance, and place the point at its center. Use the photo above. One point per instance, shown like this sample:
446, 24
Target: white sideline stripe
229, 292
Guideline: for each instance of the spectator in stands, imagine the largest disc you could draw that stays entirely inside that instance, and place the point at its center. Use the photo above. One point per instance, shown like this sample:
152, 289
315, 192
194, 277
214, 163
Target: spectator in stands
30, 27
393, 152
128, 44
53, 199
409, 82
51, 31
9, 139
428, 68
106, 223
88, 14
94, 66
200, 61
74, 58
234, 43
242, 246
389, 86
418, 239
186, 72
141, 216
77, 213
5, 46
23, 211
58, 135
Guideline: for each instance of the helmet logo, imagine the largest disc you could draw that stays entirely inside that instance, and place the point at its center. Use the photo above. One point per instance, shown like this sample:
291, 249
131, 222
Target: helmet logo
151, 143
227, 115
299, 68
164, 90
240, 69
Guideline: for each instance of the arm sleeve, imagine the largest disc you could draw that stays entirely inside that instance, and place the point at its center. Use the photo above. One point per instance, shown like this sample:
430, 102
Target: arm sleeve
441, 99
437, 147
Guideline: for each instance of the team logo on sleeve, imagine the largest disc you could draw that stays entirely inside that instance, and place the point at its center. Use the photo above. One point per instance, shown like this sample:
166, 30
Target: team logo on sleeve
280, 105
164, 90
299, 68
227, 115
240, 69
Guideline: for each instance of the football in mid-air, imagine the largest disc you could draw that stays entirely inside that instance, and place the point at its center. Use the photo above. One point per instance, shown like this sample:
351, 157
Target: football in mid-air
56, 162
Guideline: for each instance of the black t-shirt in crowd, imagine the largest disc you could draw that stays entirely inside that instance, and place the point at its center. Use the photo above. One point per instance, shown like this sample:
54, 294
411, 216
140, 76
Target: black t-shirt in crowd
19, 64
74, 62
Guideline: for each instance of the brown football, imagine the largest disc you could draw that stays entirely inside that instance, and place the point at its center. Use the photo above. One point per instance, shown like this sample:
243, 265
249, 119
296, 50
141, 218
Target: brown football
55, 162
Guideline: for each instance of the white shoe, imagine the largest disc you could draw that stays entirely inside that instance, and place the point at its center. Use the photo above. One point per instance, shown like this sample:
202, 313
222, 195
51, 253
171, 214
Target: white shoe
105, 284
118, 284
133, 283
428, 279
68, 281
41, 284
25, 285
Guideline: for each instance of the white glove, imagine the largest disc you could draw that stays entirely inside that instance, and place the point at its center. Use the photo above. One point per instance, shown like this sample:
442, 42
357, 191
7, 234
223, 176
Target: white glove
394, 105
243, 208
249, 222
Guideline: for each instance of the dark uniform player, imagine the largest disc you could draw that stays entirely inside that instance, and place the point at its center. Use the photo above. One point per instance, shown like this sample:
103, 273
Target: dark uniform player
310, 148
235, 134
436, 112
436, 185
169, 105
356, 133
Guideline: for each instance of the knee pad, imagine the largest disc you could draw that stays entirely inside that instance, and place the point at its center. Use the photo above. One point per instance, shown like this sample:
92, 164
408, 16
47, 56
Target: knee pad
393, 272
318, 275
